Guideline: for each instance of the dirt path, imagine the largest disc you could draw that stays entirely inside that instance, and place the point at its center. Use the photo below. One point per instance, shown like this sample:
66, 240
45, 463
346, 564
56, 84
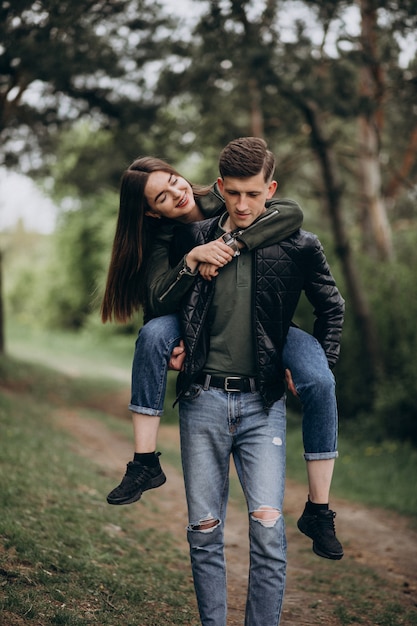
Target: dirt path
380, 540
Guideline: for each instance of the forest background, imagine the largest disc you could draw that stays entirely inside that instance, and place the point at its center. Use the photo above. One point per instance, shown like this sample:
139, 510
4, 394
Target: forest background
86, 86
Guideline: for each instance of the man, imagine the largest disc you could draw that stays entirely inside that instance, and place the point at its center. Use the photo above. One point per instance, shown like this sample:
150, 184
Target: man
231, 389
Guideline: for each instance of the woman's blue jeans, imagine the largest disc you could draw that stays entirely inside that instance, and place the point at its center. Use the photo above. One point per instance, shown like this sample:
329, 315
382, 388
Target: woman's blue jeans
214, 425
302, 354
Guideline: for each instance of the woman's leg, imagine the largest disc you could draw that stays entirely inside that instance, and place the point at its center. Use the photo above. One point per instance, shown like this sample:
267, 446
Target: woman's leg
145, 432
153, 349
315, 385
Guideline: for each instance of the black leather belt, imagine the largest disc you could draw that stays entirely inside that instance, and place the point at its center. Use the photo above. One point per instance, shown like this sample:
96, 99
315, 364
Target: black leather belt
228, 383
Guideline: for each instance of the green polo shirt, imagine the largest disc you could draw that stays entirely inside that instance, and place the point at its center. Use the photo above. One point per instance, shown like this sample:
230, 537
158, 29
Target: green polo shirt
232, 350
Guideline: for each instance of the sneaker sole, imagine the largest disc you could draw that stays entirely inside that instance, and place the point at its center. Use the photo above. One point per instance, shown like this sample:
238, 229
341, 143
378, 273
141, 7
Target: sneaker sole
334, 556
158, 481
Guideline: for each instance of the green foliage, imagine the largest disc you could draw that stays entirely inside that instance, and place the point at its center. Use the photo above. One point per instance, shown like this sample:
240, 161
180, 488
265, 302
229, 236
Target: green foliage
395, 301
87, 163
91, 61
156, 87
77, 268
389, 408
26, 258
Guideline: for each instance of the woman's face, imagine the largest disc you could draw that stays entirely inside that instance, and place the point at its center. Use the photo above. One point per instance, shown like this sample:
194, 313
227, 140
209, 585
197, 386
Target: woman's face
169, 196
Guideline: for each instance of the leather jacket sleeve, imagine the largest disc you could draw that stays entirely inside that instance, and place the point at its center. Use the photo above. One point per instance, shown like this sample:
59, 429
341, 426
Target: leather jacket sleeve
329, 306
281, 219
169, 278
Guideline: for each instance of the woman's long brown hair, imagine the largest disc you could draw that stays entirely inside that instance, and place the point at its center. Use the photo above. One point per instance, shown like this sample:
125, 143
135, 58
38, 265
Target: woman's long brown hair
125, 286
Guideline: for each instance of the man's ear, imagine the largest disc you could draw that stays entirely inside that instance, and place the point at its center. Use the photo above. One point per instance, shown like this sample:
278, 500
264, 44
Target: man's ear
220, 184
272, 187
154, 214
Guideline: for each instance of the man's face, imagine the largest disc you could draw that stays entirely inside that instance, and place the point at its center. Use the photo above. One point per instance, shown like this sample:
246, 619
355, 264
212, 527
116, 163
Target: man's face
245, 198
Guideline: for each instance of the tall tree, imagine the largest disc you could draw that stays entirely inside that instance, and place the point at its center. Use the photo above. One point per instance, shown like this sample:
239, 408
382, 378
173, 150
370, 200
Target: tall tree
2, 340
333, 193
62, 60
375, 224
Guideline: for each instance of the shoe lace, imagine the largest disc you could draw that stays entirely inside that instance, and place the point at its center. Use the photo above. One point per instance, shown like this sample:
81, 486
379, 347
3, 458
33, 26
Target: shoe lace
137, 471
325, 522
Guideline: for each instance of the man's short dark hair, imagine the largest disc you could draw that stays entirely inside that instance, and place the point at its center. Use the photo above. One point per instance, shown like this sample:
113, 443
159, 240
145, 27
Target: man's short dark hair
246, 157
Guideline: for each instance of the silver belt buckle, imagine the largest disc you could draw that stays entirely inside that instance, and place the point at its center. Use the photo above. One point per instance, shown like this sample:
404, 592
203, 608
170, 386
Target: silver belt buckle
226, 383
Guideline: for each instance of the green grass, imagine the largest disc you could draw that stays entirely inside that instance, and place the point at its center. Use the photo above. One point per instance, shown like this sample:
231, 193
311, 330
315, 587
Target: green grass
104, 353
62, 558
374, 474
352, 595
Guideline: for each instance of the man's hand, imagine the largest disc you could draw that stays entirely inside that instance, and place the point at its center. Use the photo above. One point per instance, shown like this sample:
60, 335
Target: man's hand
176, 362
290, 383
215, 252
208, 270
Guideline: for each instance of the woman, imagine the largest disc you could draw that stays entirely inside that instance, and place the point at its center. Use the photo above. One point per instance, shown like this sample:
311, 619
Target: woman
153, 198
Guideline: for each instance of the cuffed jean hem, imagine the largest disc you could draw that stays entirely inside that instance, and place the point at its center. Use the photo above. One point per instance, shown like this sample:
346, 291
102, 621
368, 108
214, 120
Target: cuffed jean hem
145, 410
320, 456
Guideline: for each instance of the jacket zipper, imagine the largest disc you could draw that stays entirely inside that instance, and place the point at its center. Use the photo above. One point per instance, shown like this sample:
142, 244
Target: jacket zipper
172, 285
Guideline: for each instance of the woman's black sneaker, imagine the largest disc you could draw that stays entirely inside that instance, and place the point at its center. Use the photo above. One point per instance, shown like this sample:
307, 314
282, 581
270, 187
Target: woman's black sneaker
138, 478
320, 528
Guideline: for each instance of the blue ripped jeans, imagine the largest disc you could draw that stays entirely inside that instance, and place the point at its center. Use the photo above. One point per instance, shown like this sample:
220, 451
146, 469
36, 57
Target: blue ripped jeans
215, 425
302, 354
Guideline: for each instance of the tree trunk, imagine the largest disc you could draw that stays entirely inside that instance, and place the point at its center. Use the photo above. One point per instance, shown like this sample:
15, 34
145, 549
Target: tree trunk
2, 335
376, 229
256, 113
375, 225
333, 193
401, 173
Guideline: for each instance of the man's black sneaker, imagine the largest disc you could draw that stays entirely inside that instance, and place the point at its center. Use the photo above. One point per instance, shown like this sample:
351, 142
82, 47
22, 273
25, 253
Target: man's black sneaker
138, 478
320, 528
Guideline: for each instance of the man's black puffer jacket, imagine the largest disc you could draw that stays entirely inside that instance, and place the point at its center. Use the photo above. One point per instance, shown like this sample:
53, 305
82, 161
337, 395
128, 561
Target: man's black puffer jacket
281, 272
